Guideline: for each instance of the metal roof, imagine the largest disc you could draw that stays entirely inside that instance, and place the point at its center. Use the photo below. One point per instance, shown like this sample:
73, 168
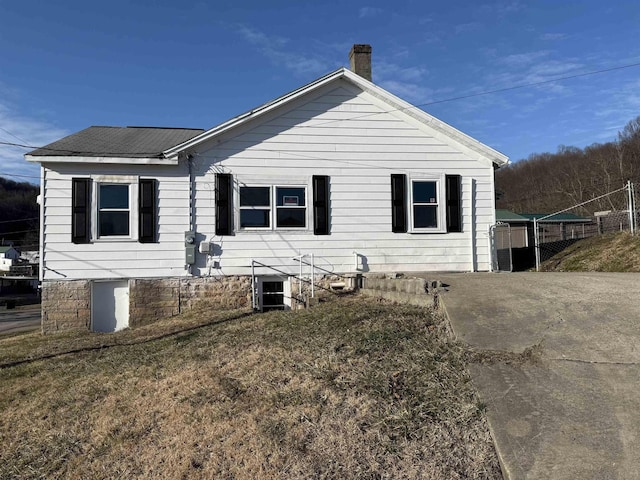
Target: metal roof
558, 217
509, 216
126, 142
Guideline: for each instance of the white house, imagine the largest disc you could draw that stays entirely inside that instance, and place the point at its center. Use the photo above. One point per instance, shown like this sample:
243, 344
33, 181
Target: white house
8, 256
138, 222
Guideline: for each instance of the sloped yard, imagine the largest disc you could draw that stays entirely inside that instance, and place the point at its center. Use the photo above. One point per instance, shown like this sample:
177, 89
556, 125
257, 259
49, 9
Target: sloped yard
613, 252
349, 389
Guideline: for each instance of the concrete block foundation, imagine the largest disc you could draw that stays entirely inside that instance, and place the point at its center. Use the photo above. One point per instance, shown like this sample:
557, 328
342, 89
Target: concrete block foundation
66, 305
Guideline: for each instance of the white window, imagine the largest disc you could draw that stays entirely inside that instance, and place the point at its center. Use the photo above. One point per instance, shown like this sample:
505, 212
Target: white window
114, 208
255, 207
273, 207
427, 205
291, 207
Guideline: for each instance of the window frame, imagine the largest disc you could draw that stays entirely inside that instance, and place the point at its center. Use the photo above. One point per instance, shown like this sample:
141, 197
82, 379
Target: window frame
440, 204
273, 207
254, 208
132, 183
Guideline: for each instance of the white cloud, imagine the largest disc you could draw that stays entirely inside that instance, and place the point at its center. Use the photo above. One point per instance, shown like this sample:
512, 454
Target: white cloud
369, 12
406, 82
15, 128
467, 27
521, 59
279, 52
385, 69
553, 36
502, 9
411, 92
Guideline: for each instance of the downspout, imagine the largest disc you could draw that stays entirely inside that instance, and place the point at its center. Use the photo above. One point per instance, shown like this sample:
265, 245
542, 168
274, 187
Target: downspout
192, 194
41, 235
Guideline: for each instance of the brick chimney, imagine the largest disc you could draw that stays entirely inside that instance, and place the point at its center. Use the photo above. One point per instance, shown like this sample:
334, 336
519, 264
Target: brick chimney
360, 60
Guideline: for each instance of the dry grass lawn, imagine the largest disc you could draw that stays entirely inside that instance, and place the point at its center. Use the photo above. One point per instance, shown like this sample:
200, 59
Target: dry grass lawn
613, 252
348, 389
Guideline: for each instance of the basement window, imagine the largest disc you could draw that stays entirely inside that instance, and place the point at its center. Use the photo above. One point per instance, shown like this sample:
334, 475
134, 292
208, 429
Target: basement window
272, 296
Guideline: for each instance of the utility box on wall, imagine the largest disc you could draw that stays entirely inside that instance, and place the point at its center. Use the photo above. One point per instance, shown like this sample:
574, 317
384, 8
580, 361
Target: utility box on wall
190, 247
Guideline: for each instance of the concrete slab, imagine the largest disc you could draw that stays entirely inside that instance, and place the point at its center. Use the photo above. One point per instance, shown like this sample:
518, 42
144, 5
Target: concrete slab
576, 412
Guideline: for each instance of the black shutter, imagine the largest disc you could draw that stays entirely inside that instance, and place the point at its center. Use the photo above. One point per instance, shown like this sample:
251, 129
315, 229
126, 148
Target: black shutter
454, 208
398, 203
147, 210
80, 210
224, 210
321, 205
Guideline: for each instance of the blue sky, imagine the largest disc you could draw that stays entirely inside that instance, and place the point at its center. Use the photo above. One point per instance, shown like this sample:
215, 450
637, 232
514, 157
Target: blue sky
66, 65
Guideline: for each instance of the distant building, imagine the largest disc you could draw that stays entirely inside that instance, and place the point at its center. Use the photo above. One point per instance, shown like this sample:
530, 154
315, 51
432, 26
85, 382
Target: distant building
8, 257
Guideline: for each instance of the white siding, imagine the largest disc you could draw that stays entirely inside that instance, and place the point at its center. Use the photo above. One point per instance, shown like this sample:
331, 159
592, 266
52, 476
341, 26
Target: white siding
350, 136
338, 131
63, 260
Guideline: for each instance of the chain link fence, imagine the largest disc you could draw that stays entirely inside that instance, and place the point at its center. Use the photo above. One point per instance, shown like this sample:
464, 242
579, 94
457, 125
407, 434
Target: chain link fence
614, 211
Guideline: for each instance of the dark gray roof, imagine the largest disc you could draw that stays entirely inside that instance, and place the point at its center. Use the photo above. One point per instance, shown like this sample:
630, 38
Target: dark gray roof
129, 142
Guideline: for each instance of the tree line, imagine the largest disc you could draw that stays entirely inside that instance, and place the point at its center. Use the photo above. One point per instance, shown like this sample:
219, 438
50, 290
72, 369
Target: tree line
550, 182
19, 212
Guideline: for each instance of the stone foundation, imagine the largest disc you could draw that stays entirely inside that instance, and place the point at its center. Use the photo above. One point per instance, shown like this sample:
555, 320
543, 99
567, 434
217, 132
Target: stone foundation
66, 305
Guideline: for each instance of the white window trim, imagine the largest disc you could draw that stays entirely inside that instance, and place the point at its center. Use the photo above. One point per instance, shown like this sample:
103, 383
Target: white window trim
273, 208
286, 289
240, 208
132, 181
441, 203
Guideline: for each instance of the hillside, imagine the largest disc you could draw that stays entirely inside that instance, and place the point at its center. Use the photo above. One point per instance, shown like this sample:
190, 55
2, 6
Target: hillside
618, 252
19, 214
549, 182
348, 389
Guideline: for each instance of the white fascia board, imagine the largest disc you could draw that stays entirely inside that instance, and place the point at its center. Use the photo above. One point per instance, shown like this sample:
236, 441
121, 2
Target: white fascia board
411, 110
367, 86
103, 160
255, 113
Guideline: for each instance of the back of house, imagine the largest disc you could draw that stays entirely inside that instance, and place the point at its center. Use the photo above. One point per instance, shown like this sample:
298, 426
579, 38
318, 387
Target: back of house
336, 179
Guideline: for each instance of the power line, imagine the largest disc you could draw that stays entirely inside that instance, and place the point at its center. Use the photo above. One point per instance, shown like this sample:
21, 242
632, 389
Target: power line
532, 84
17, 175
435, 102
77, 152
20, 231
14, 136
21, 220
486, 92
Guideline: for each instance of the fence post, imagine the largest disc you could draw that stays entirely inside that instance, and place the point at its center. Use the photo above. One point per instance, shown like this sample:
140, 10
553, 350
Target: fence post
536, 243
630, 207
634, 207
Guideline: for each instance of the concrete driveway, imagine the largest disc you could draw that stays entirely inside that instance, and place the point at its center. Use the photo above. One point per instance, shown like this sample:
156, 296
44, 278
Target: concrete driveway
20, 319
574, 413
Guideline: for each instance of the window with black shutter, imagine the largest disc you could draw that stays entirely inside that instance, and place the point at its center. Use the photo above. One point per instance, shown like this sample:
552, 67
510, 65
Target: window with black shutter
321, 205
224, 207
454, 208
147, 216
80, 210
398, 203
